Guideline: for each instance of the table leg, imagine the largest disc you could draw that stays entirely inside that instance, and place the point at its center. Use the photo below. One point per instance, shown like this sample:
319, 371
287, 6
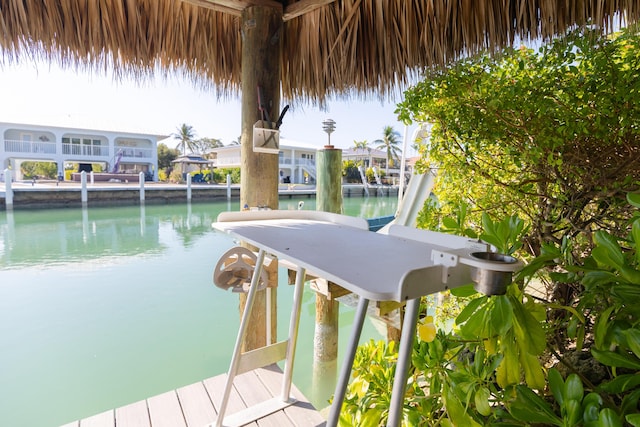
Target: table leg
294, 324
235, 359
404, 362
345, 371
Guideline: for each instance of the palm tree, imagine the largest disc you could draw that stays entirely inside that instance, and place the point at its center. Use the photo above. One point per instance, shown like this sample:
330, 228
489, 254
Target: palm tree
390, 143
186, 135
361, 146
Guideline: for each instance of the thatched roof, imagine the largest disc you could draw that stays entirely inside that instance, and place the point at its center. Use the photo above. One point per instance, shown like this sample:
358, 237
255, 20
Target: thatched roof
331, 47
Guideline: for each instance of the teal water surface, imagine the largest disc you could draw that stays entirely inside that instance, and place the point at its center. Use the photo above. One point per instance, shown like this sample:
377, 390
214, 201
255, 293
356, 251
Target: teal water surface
102, 307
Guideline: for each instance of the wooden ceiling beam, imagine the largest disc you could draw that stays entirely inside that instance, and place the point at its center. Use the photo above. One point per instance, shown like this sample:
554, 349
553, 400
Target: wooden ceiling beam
235, 7
303, 6
207, 4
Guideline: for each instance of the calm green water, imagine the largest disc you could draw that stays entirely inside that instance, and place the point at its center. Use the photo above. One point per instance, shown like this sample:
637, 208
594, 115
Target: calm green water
106, 306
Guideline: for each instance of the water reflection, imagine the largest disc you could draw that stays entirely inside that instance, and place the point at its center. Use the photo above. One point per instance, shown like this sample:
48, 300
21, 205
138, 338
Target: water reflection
41, 238
65, 236
101, 307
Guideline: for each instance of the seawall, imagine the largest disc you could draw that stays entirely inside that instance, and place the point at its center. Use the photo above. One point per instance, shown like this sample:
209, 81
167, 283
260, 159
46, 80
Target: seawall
68, 195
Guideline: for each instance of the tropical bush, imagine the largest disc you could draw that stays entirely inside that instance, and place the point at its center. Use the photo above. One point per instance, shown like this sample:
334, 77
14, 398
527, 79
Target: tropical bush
162, 175
371, 175
350, 172
549, 144
220, 175
39, 170
176, 176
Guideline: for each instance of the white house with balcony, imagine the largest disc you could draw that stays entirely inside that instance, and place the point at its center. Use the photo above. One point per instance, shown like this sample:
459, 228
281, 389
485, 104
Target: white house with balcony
297, 160
117, 152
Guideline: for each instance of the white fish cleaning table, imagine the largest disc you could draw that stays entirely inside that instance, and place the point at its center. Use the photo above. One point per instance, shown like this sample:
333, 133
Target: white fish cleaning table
401, 266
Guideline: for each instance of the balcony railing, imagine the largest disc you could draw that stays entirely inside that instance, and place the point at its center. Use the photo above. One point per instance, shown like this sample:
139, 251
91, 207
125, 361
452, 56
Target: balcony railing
226, 161
49, 147
310, 163
85, 150
39, 147
137, 153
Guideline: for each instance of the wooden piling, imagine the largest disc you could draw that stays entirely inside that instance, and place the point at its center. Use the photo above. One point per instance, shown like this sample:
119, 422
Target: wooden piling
325, 339
329, 185
261, 27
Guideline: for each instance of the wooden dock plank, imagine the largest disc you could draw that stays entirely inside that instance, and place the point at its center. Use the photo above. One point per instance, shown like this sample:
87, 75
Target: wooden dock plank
104, 419
196, 405
133, 415
253, 392
165, 411
215, 388
302, 413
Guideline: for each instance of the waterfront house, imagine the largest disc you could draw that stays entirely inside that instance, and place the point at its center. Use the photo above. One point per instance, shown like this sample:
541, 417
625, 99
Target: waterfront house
374, 158
368, 158
116, 151
297, 160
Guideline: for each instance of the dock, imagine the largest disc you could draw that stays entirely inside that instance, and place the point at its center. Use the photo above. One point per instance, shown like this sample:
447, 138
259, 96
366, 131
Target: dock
195, 405
52, 194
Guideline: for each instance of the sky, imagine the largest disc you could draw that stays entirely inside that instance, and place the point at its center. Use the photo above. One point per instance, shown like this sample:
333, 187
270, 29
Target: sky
44, 94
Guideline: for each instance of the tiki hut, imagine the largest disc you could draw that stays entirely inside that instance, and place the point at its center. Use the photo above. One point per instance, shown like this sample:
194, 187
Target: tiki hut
328, 47
297, 50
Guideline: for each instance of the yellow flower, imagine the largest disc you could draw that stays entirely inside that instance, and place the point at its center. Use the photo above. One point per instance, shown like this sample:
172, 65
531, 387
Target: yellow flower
426, 329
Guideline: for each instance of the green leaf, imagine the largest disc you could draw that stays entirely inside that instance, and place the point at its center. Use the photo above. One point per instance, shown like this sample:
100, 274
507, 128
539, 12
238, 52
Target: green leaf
481, 399
371, 417
634, 199
450, 223
573, 411
611, 358
591, 405
635, 235
463, 291
528, 330
621, 383
633, 419
531, 408
533, 373
630, 274
556, 385
591, 413
626, 292
608, 250
456, 410
595, 278
633, 340
471, 307
501, 314
573, 389
630, 402
608, 418
602, 324
592, 399
508, 371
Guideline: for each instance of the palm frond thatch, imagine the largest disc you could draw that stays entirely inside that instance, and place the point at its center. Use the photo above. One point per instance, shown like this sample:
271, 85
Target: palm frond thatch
340, 47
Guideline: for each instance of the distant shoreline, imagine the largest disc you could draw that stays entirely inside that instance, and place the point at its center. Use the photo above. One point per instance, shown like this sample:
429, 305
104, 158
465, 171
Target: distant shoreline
51, 195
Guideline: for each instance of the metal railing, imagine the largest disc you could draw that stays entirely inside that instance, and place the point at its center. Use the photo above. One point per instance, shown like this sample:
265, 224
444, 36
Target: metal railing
133, 152
85, 150
38, 147
226, 161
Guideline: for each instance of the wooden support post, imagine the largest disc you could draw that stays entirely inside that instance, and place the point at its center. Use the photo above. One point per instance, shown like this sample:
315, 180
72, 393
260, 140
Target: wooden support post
329, 186
261, 28
325, 338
